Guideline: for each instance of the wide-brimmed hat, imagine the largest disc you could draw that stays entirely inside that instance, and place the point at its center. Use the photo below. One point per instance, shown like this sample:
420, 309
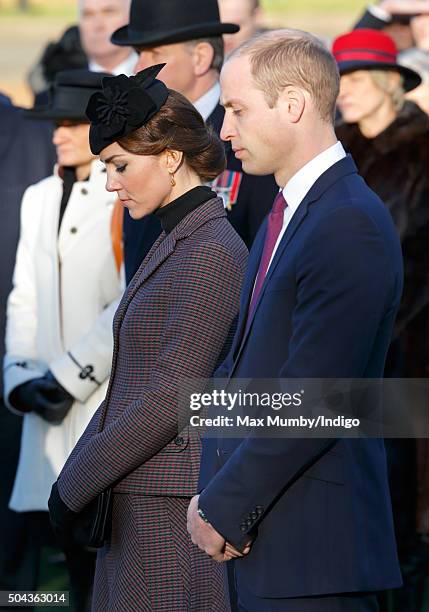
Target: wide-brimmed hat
367, 49
160, 22
69, 95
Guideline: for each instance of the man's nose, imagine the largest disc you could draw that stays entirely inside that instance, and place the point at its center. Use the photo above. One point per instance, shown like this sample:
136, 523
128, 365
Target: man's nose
227, 132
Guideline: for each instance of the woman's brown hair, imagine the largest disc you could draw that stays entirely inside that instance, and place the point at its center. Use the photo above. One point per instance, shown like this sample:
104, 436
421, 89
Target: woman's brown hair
179, 126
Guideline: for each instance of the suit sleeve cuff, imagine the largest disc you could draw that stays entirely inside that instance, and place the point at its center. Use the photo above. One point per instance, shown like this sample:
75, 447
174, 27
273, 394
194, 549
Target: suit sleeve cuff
235, 532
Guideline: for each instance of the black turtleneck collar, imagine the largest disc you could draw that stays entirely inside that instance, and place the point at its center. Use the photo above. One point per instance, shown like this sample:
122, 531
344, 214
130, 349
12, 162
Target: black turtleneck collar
171, 214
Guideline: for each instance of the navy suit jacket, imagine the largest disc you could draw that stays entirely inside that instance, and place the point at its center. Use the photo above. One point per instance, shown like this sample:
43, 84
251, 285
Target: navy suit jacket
255, 197
319, 509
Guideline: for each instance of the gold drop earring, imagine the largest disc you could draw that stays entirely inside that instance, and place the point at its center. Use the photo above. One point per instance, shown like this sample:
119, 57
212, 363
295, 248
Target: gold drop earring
173, 182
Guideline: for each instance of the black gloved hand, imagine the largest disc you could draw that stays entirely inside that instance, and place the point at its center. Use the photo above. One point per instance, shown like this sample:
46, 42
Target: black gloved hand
54, 401
61, 516
23, 397
43, 395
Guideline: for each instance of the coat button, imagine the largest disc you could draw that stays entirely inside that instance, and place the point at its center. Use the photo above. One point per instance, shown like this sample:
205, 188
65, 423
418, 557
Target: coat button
243, 528
73, 230
84, 191
249, 522
254, 515
259, 510
179, 441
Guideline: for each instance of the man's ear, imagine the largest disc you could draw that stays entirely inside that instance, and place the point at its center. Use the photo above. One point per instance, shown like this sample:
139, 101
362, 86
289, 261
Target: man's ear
202, 58
293, 102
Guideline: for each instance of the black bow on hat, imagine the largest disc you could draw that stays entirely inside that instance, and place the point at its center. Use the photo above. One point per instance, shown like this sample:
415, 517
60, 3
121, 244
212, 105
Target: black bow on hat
123, 105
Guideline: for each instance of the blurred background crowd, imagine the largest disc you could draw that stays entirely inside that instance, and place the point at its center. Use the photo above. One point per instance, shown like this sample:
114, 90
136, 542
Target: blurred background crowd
383, 122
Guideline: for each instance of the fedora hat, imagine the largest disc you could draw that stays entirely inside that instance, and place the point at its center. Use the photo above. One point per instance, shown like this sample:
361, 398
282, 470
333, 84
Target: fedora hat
69, 95
160, 22
367, 49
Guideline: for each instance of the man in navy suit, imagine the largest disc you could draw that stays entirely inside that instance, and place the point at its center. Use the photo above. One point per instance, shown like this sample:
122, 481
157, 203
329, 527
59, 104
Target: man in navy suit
308, 520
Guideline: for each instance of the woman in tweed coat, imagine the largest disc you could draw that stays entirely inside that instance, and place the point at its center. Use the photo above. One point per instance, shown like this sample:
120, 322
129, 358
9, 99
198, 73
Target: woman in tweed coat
171, 325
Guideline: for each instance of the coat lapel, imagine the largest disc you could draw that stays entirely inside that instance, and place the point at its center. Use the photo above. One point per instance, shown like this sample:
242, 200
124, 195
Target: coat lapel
163, 248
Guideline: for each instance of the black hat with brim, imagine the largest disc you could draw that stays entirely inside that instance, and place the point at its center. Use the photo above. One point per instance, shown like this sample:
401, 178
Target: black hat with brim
69, 96
161, 22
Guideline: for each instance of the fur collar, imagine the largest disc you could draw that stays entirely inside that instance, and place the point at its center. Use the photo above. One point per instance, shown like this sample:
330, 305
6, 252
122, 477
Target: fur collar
410, 123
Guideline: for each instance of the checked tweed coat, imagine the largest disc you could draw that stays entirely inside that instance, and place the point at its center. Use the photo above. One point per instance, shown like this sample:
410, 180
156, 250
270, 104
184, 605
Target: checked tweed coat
171, 325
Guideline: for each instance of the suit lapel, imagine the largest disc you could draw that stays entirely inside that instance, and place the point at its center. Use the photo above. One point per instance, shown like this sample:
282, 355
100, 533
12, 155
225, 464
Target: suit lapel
249, 283
291, 230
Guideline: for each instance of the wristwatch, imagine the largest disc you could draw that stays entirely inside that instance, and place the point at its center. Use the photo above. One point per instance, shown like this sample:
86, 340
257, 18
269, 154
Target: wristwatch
202, 515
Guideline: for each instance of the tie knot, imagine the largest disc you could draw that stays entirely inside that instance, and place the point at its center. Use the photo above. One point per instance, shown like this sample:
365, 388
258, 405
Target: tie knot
279, 203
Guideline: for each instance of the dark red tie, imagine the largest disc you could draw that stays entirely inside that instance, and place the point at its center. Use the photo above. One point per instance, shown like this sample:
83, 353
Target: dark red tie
275, 225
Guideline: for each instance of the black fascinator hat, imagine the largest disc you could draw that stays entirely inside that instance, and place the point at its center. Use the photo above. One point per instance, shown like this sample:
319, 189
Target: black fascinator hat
124, 105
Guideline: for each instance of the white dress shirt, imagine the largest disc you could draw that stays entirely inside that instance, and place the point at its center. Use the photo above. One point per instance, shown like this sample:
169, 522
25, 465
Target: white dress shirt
300, 184
126, 67
208, 102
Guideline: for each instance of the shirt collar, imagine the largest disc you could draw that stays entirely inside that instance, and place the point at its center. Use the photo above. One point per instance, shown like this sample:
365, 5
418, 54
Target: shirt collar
208, 102
300, 184
126, 67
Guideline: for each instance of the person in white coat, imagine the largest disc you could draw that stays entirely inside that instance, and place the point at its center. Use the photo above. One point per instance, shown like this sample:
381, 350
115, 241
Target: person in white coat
66, 288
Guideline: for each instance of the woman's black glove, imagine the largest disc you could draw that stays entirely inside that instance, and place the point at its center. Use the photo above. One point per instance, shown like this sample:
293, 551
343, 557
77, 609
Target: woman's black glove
43, 395
61, 516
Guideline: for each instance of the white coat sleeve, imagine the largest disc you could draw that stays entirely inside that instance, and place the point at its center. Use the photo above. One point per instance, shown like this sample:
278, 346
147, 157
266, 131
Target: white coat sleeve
83, 368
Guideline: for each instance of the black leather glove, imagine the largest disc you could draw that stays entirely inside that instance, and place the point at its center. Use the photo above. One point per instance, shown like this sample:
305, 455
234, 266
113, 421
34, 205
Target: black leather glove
43, 395
61, 516
23, 397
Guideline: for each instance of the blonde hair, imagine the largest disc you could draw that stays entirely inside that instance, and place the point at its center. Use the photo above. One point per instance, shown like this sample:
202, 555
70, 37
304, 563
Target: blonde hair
293, 57
381, 79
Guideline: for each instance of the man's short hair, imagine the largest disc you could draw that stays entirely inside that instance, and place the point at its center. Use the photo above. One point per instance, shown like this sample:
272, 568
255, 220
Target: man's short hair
291, 57
216, 42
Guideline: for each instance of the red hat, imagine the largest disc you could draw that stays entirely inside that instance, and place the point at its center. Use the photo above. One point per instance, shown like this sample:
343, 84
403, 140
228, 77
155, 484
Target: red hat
366, 49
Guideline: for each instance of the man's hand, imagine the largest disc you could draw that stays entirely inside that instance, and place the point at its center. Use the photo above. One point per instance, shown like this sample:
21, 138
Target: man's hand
208, 539
233, 553
204, 535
